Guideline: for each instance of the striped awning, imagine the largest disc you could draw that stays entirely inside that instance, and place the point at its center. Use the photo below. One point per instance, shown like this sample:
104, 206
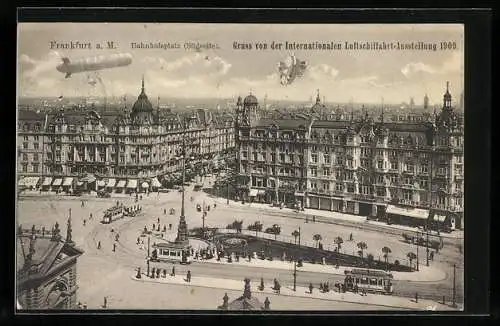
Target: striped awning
88, 178
410, 212
101, 183
121, 184
132, 183
111, 183
439, 218
57, 182
67, 181
47, 181
155, 183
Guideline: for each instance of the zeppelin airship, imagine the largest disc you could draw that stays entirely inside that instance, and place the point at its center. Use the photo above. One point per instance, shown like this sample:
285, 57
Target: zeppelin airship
290, 69
94, 63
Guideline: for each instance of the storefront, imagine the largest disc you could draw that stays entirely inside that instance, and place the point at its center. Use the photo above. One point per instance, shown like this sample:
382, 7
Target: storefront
131, 186
57, 185
120, 186
145, 187
101, 184
155, 184
47, 181
337, 205
314, 202
325, 204
299, 198
407, 216
29, 183
365, 209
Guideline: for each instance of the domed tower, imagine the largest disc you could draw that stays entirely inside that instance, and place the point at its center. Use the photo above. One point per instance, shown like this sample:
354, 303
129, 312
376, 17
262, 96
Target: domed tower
318, 107
249, 115
142, 111
447, 97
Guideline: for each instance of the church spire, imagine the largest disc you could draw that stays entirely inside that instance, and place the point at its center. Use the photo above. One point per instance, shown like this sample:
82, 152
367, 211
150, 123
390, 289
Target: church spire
318, 100
142, 87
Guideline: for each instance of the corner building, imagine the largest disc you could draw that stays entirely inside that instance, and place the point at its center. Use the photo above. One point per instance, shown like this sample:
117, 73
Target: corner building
115, 151
405, 173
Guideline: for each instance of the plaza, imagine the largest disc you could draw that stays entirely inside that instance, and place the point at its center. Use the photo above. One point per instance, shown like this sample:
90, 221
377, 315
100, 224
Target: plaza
106, 273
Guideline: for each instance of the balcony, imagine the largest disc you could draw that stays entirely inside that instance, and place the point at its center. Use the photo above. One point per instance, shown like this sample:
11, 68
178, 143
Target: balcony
369, 197
459, 177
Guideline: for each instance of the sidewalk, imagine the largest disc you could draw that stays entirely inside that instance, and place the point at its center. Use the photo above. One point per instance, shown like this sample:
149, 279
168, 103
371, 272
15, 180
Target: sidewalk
425, 274
331, 217
370, 299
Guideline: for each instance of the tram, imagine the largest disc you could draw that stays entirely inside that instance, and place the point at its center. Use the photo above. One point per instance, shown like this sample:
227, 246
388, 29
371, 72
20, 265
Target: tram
366, 280
112, 214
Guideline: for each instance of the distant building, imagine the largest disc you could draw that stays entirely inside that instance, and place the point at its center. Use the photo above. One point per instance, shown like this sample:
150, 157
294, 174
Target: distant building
426, 102
46, 269
122, 151
407, 172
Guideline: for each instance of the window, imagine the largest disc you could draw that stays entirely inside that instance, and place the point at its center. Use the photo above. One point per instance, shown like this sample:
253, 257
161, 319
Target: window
25, 167
424, 168
381, 192
273, 157
380, 178
350, 163
350, 175
365, 190
326, 172
314, 185
36, 138
441, 171
36, 145
394, 165
339, 187
350, 188
35, 157
340, 161
407, 194
380, 164
424, 155
314, 158
35, 168
326, 158
410, 167
25, 145
282, 157
314, 172
423, 184
394, 179
408, 181
325, 186
458, 169
441, 200
25, 157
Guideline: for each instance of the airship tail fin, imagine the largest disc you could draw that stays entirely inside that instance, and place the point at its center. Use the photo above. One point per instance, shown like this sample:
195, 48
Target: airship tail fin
65, 60
68, 74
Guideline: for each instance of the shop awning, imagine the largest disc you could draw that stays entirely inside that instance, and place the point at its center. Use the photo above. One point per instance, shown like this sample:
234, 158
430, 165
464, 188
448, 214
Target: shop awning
47, 181
261, 192
299, 194
132, 184
67, 181
121, 184
145, 185
253, 192
111, 183
101, 183
410, 212
30, 181
155, 183
21, 182
89, 178
57, 182
79, 183
439, 218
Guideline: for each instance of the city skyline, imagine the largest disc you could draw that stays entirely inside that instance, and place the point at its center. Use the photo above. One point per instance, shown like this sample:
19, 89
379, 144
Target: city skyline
341, 76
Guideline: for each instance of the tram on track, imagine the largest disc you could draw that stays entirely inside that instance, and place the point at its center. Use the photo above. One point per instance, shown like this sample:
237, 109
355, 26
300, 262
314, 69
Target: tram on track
113, 214
365, 280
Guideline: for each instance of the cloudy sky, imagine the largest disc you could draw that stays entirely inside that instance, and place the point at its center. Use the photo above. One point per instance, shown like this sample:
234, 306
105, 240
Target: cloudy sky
340, 75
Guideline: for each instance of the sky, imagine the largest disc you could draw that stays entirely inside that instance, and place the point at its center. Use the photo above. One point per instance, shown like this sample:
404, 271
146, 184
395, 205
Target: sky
361, 76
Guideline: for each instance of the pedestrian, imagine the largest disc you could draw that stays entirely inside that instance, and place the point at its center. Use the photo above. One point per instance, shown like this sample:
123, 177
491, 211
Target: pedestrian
314, 218
307, 219
43, 231
164, 211
158, 220
90, 217
189, 276
311, 287
138, 240
84, 222
173, 271
350, 237
154, 227
114, 247
99, 245
170, 226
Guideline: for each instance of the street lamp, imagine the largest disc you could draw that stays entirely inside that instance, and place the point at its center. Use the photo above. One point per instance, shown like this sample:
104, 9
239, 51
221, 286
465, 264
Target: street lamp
295, 266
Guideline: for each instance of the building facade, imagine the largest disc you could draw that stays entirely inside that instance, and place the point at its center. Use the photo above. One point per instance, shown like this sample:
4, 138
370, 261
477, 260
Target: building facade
398, 172
133, 150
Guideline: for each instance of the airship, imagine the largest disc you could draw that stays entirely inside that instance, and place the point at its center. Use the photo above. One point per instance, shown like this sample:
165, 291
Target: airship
290, 69
96, 63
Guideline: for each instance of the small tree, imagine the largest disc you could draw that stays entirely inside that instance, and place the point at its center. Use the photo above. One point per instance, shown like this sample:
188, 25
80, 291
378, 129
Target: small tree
295, 234
338, 241
411, 256
317, 238
386, 251
362, 247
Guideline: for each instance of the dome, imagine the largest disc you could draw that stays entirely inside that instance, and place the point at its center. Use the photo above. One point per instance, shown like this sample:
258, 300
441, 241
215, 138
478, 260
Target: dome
142, 104
250, 100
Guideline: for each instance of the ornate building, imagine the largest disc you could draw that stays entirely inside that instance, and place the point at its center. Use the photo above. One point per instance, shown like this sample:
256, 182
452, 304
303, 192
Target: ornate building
46, 269
121, 151
403, 172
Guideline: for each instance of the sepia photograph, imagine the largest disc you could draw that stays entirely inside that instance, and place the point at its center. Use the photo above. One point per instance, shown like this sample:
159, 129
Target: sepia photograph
239, 167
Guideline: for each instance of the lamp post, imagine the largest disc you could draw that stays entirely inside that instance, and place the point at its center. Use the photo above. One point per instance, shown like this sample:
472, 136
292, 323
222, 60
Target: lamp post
295, 267
454, 303
418, 246
227, 183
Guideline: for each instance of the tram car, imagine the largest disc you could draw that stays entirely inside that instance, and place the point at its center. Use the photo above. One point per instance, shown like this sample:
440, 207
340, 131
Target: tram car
170, 253
112, 214
365, 280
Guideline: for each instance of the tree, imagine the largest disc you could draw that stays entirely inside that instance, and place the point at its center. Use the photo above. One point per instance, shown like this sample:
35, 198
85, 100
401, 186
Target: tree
362, 247
386, 251
295, 234
411, 256
317, 238
338, 241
